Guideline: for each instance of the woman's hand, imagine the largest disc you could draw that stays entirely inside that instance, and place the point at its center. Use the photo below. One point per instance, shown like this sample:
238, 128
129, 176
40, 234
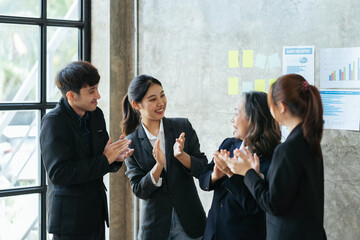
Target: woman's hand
160, 161
179, 145
179, 153
244, 162
220, 163
254, 161
158, 154
239, 164
217, 173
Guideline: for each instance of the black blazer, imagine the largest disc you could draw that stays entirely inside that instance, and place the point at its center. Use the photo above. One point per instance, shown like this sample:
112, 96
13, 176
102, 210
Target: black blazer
76, 193
177, 190
293, 193
234, 213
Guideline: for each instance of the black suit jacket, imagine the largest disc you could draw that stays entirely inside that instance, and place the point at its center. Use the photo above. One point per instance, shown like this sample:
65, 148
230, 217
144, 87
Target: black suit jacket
76, 193
177, 190
293, 193
234, 213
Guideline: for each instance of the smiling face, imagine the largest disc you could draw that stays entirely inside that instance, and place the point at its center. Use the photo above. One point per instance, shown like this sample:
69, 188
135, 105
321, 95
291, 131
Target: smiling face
152, 106
85, 101
239, 120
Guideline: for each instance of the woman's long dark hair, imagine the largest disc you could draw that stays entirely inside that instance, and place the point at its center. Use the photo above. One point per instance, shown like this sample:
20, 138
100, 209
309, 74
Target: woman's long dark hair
136, 91
263, 133
304, 101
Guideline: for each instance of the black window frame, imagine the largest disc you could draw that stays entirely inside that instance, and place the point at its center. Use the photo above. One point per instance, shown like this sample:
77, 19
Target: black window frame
84, 48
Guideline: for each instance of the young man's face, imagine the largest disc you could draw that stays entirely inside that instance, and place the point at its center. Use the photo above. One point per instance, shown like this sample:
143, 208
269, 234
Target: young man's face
86, 100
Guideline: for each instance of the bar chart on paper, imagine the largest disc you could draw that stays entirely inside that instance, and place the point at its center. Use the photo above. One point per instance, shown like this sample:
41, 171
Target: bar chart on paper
340, 112
340, 68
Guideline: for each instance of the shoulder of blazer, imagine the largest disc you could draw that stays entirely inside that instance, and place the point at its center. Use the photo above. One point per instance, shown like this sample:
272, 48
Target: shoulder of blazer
178, 123
97, 112
98, 116
60, 111
134, 136
295, 146
228, 142
57, 114
296, 138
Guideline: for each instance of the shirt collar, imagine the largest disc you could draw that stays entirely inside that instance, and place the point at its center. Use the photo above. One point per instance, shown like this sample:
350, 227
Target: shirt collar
149, 135
66, 104
80, 119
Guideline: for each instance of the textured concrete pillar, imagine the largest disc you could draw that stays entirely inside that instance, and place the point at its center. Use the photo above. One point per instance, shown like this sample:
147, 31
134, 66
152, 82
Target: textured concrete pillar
121, 73
112, 53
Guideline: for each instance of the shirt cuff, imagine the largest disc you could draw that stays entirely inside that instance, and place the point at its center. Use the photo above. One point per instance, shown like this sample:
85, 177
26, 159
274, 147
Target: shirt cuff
159, 183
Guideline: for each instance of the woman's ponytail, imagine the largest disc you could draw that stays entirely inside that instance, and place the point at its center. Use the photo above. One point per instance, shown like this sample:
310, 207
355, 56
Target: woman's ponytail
313, 119
303, 100
131, 117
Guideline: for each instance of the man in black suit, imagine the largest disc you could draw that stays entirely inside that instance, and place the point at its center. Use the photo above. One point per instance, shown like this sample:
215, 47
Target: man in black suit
77, 152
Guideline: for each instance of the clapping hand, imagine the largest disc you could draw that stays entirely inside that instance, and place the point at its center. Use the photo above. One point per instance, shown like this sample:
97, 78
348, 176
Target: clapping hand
158, 154
179, 145
179, 153
127, 153
245, 161
220, 163
118, 150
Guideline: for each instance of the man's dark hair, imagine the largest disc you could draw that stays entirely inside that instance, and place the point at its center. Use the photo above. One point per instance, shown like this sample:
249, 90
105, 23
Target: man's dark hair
75, 76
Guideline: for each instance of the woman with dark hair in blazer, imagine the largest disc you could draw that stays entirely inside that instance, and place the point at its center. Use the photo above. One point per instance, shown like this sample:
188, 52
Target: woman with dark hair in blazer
234, 213
163, 164
292, 194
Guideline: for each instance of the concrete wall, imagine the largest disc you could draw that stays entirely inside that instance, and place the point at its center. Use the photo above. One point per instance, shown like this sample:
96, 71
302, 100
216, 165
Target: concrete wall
185, 45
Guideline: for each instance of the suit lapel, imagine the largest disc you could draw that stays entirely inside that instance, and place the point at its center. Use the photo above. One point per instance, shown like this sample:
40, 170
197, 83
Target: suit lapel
145, 143
169, 142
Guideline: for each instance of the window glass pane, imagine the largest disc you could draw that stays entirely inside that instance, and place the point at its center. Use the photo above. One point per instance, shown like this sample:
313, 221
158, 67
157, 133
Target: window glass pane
19, 217
19, 149
62, 49
63, 9
19, 48
21, 8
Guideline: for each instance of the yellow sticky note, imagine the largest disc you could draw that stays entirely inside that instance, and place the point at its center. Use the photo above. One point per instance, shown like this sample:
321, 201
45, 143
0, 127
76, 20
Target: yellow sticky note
271, 81
260, 85
233, 59
248, 58
233, 86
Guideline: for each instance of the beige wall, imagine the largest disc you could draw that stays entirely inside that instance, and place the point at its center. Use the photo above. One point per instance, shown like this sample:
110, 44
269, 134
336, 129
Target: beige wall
185, 45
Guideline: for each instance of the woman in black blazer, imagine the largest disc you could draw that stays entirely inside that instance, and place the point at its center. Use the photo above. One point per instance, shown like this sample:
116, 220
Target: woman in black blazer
163, 164
293, 192
234, 213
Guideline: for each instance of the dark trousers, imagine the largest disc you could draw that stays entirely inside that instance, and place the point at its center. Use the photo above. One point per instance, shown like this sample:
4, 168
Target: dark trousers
98, 235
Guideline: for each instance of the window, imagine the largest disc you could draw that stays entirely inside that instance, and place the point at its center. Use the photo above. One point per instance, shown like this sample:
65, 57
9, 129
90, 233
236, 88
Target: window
37, 39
